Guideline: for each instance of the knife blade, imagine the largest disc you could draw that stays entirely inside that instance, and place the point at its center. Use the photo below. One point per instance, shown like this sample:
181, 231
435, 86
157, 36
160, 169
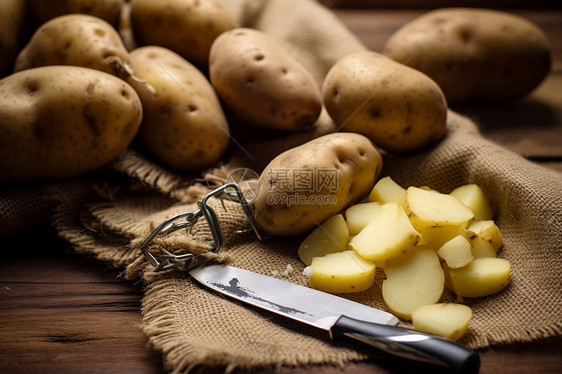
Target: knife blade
343, 319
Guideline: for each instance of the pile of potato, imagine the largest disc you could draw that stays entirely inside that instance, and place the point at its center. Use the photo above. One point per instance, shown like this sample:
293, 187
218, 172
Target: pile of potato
424, 241
85, 78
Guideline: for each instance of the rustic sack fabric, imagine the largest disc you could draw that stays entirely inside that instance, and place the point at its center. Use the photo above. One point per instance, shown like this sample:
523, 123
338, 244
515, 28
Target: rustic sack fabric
191, 326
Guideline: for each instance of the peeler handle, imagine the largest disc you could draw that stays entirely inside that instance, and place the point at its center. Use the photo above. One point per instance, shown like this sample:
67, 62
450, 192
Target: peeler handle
408, 344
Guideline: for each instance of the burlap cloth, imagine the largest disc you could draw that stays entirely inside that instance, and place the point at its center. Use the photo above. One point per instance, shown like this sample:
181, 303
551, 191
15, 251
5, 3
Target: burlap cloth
108, 214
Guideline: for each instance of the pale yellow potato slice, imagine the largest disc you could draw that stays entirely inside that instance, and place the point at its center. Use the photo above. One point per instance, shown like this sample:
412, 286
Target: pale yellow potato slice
435, 236
474, 197
412, 280
389, 235
359, 215
444, 319
481, 248
482, 277
386, 190
456, 252
485, 238
487, 230
331, 236
431, 208
342, 272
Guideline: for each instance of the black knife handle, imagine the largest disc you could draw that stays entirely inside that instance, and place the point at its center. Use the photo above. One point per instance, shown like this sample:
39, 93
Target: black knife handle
408, 344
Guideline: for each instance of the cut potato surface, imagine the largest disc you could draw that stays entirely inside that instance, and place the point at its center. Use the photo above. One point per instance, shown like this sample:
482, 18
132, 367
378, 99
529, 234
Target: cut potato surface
342, 272
456, 252
482, 277
474, 197
412, 280
488, 231
445, 319
387, 190
430, 208
359, 215
435, 236
389, 235
330, 237
424, 241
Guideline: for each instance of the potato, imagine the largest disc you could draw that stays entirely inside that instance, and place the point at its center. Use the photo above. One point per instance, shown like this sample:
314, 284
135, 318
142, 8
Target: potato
474, 197
474, 54
183, 126
412, 280
427, 209
482, 277
386, 190
435, 236
445, 319
44, 10
342, 272
262, 84
485, 238
61, 121
330, 237
389, 235
305, 185
456, 252
13, 18
359, 215
79, 40
400, 109
187, 27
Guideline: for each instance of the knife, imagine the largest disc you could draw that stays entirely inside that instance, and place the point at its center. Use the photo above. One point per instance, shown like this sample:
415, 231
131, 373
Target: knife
342, 318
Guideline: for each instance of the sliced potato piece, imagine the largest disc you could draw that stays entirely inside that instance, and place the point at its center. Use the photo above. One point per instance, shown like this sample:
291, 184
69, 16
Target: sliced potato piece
342, 272
389, 235
447, 277
330, 237
474, 197
412, 280
456, 252
435, 236
444, 319
359, 215
482, 277
431, 208
488, 231
386, 190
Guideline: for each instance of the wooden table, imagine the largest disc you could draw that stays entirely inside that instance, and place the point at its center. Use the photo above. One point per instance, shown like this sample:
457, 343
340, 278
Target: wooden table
62, 313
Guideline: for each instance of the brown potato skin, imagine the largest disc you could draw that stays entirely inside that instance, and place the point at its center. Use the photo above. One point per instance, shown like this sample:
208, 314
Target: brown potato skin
78, 40
184, 126
187, 27
44, 10
353, 159
262, 84
399, 109
62, 121
474, 54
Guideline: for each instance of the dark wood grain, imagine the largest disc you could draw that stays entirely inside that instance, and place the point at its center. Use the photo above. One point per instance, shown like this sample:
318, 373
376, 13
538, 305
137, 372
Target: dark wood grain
65, 313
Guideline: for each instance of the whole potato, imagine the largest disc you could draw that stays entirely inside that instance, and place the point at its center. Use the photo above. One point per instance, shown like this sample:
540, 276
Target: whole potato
261, 83
44, 10
79, 40
400, 109
184, 126
61, 121
474, 54
187, 27
13, 19
305, 185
